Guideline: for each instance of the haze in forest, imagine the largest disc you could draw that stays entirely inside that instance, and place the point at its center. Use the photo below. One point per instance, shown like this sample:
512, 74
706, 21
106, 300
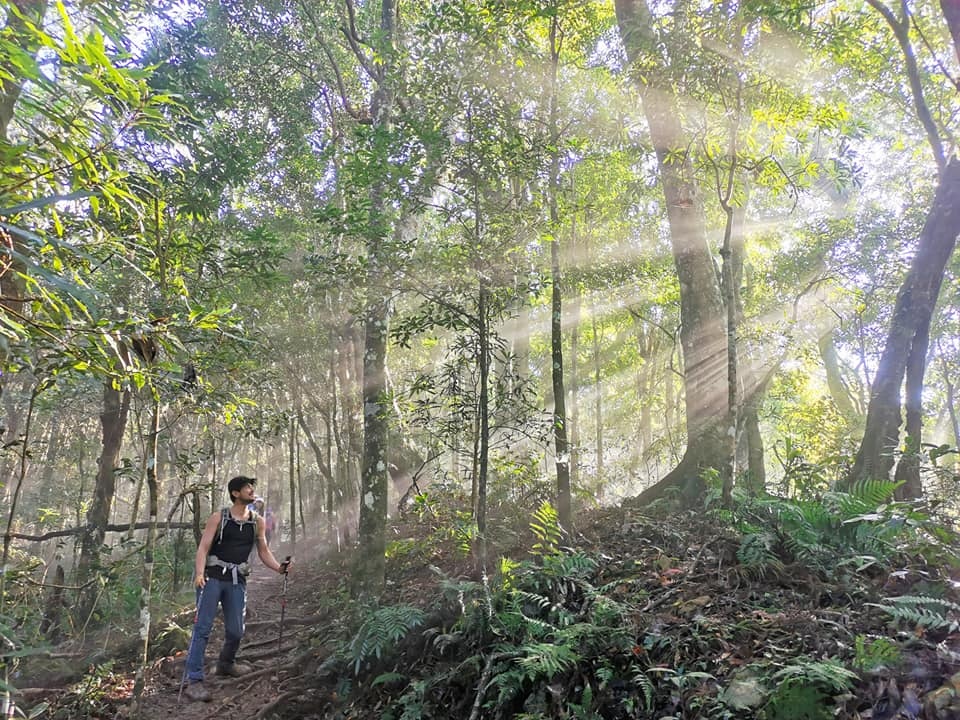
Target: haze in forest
496, 256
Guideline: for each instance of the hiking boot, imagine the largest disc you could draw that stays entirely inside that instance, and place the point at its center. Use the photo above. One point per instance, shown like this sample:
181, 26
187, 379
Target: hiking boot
196, 691
234, 670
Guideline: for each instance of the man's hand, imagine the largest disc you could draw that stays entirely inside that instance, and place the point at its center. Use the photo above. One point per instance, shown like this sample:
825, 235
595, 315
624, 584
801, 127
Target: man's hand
200, 581
285, 565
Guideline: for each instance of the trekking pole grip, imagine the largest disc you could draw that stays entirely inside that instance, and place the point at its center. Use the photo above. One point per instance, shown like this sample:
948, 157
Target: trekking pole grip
285, 565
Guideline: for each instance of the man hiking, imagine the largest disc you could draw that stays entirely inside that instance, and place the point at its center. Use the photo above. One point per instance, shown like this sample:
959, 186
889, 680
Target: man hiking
221, 571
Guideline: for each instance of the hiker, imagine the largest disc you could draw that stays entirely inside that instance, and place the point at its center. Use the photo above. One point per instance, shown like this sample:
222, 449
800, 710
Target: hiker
221, 570
269, 518
269, 523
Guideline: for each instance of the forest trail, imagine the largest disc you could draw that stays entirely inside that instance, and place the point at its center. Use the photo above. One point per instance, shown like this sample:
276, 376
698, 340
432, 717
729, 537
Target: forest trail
254, 695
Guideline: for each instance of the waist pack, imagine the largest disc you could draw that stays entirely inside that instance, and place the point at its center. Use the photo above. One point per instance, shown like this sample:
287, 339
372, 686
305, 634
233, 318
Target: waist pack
235, 569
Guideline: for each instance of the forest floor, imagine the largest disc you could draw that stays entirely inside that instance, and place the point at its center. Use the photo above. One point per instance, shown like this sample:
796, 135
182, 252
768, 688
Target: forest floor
709, 638
106, 692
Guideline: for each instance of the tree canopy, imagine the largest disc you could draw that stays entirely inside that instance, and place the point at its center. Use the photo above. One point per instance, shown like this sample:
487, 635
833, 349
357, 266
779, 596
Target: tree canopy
540, 254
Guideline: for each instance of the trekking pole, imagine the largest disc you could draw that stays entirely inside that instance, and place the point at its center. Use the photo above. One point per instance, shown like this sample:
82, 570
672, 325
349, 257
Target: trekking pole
283, 599
193, 635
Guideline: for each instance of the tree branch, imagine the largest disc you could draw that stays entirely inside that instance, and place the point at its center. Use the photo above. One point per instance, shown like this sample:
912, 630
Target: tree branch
901, 31
81, 530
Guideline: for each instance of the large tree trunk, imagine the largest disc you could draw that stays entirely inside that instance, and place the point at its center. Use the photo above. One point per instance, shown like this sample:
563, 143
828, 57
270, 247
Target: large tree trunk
908, 469
702, 334
908, 334
374, 477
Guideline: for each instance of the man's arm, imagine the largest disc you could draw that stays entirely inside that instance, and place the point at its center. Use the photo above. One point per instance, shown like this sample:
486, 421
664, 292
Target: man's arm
263, 550
203, 549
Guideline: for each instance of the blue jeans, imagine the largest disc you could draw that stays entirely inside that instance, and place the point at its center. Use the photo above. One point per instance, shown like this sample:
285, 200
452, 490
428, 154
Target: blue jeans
233, 598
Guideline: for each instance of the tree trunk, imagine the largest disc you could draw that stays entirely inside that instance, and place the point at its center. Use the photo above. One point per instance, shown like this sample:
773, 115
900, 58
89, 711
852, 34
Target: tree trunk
15, 497
952, 411
839, 391
573, 390
951, 13
148, 557
597, 405
16, 32
562, 459
908, 337
756, 466
702, 334
908, 469
293, 486
374, 478
483, 418
113, 422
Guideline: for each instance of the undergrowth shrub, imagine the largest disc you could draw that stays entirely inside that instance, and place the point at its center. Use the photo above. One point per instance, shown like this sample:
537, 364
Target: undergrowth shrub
835, 533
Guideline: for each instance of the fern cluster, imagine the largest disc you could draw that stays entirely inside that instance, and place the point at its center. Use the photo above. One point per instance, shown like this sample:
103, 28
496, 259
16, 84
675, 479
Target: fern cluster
830, 533
381, 631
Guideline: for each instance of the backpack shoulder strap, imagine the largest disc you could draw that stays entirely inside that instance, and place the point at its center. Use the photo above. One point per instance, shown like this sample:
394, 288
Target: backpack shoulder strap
224, 516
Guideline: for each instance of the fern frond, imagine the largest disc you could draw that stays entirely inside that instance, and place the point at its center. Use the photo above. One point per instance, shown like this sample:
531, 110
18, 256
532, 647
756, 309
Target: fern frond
643, 681
828, 673
546, 527
874, 492
756, 556
546, 660
382, 630
572, 565
922, 611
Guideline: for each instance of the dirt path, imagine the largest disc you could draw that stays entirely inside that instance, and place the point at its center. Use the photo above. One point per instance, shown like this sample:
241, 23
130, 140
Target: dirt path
254, 695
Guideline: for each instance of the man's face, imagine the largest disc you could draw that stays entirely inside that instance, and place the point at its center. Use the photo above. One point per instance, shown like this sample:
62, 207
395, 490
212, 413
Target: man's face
245, 493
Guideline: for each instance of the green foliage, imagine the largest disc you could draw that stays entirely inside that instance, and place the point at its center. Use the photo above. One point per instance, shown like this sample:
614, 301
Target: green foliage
929, 613
798, 702
876, 653
803, 689
832, 533
756, 554
381, 631
546, 527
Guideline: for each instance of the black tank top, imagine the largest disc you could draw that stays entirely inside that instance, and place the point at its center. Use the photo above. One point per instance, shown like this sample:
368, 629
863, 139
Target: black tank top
233, 543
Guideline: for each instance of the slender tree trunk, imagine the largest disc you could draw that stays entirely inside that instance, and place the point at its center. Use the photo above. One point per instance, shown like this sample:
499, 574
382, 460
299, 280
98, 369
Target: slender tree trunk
13, 417
731, 273
141, 480
24, 456
839, 392
148, 556
293, 486
54, 435
564, 509
483, 417
573, 392
598, 403
908, 334
300, 493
